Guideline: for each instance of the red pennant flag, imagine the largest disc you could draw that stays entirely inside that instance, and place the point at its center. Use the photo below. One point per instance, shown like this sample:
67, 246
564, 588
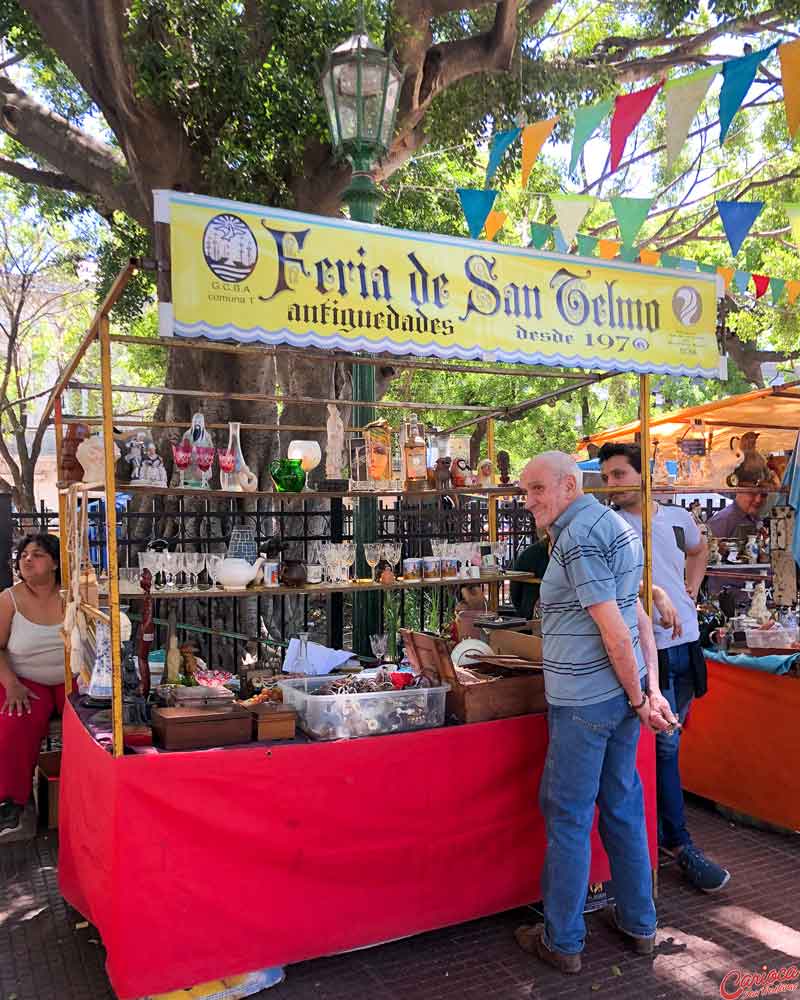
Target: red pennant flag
761, 281
628, 112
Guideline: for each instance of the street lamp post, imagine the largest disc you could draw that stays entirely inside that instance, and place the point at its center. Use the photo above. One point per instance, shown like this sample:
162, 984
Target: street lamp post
361, 86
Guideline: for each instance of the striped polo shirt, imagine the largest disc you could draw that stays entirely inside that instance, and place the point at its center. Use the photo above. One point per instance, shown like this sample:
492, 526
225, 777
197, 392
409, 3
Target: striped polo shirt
595, 557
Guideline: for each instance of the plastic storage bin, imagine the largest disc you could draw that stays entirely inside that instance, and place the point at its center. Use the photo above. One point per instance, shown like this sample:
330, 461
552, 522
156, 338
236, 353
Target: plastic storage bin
342, 717
772, 638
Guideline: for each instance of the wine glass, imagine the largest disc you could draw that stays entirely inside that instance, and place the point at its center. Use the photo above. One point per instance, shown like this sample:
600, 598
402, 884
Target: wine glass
182, 454
193, 564
392, 553
227, 463
205, 460
372, 554
213, 563
348, 557
169, 567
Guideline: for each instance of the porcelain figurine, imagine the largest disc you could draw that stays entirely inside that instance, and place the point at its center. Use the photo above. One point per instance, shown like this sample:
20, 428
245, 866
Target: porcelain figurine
751, 549
660, 470
485, 473
196, 437
91, 455
152, 470
758, 606
334, 445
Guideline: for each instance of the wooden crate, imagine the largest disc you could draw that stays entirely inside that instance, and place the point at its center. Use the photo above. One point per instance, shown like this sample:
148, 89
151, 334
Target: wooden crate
48, 778
497, 698
201, 728
272, 721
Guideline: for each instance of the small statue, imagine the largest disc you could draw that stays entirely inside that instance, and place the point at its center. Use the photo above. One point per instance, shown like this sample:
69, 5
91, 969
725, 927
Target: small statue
152, 470
485, 473
334, 445
442, 473
91, 455
197, 437
713, 551
660, 470
758, 606
504, 467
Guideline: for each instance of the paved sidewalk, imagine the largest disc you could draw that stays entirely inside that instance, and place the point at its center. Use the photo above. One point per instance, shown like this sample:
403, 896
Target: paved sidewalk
754, 922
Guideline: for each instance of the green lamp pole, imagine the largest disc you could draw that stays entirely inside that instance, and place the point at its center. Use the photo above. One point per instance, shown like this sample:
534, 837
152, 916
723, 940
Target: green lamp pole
361, 86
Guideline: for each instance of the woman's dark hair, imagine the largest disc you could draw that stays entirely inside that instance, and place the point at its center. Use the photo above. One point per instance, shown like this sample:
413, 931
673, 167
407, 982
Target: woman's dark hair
630, 451
49, 543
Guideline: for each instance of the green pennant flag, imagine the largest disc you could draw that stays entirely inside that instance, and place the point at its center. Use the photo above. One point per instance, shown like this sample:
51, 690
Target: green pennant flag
777, 285
708, 268
670, 260
631, 213
630, 253
587, 119
586, 245
540, 234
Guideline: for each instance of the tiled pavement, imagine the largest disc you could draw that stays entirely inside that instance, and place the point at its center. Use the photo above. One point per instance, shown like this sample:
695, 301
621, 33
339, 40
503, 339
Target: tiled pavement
754, 922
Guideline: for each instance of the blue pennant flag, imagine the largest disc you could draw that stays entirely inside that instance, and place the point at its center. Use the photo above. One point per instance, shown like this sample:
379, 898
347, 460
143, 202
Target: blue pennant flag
684, 264
737, 77
560, 242
497, 149
476, 205
737, 220
742, 280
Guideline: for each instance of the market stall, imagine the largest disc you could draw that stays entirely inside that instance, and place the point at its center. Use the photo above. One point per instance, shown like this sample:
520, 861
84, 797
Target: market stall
738, 745
271, 851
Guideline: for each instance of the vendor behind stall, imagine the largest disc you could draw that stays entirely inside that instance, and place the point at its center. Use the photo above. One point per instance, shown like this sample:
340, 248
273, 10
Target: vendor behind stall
743, 517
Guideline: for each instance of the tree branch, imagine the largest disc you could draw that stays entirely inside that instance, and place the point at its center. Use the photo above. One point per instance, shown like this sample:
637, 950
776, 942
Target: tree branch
43, 178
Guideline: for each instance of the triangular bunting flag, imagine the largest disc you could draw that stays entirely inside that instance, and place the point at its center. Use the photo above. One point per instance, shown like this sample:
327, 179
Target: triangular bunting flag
726, 273
793, 211
587, 119
777, 286
708, 268
792, 291
628, 112
651, 258
540, 234
790, 73
533, 138
737, 220
684, 264
497, 149
741, 279
608, 249
670, 260
560, 243
629, 253
737, 76
476, 205
684, 95
631, 213
586, 245
494, 223
761, 281
571, 210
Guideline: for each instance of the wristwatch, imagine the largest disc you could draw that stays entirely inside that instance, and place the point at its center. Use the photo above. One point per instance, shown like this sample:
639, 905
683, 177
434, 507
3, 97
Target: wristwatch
642, 703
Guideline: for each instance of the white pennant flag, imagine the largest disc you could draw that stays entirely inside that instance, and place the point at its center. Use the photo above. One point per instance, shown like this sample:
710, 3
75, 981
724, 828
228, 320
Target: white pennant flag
684, 95
571, 210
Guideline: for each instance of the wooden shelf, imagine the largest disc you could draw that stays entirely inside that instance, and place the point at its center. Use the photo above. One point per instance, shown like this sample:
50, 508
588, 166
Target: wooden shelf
351, 587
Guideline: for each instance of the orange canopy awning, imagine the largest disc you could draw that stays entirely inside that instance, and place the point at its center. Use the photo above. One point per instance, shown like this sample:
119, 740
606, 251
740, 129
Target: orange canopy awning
773, 412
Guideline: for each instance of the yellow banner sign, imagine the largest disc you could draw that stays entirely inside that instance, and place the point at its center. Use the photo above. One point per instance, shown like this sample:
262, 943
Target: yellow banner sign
247, 273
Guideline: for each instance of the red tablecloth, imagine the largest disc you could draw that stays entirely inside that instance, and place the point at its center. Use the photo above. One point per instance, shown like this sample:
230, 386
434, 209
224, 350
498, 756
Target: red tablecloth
200, 865
739, 745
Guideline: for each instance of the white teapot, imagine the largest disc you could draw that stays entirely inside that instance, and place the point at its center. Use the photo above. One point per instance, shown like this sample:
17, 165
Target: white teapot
236, 574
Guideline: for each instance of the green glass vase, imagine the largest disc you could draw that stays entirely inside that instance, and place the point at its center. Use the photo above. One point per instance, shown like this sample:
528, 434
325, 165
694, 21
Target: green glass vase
287, 475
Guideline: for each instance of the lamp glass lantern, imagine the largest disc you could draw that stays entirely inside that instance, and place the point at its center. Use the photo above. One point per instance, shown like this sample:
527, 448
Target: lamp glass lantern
361, 85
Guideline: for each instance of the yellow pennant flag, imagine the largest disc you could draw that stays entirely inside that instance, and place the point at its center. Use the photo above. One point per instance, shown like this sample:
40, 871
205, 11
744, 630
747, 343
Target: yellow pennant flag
533, 138
792, 291
608, 249
649, 257
727, 275
494, 223
790, 73
793, 211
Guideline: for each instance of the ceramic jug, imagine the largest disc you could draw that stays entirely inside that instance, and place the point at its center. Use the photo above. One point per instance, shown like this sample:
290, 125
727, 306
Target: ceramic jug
287, 475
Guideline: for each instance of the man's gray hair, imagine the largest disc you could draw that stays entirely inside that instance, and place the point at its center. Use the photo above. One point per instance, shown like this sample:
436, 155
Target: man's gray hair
563, 465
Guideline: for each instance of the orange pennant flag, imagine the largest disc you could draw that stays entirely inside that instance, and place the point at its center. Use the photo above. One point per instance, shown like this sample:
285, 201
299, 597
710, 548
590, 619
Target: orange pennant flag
790, 74
494, 223
792, 291
650, 257
533, 138
608, 249
727, 275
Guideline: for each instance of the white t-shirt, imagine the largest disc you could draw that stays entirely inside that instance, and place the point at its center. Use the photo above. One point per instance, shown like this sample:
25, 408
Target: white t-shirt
674, 532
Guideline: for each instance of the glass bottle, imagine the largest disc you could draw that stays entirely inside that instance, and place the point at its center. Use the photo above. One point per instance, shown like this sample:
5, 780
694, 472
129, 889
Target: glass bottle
415, 457
302, 665
230, 480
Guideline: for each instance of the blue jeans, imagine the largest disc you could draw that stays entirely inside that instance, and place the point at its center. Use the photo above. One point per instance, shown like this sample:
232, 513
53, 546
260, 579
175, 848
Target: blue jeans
679, 692
591, 759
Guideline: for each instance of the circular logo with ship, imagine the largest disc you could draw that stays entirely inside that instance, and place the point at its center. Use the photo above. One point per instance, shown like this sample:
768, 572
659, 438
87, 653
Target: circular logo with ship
229, 247
687, 305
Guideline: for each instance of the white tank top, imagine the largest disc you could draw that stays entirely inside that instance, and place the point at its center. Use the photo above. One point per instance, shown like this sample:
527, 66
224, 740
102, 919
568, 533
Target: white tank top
35, 652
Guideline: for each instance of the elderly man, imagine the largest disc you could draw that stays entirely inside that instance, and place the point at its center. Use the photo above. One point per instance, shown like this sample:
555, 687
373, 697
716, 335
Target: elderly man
600, 662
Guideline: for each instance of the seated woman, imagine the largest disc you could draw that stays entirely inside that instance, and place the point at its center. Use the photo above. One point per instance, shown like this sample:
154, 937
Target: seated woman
31, 673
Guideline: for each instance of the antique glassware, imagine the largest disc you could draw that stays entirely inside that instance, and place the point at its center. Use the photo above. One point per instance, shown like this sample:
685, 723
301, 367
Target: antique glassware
195, 439
227, 463
308, 453
372, 555
239, 464
213, 562
205, 461
287, 475
392, 553
182, 454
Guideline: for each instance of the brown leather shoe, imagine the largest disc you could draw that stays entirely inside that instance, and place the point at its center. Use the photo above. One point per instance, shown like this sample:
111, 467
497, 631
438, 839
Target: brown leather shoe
640, 945
531, 939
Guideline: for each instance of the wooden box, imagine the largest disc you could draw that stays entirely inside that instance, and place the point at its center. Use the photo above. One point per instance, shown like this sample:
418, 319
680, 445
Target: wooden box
499, 697
48, 778
273, 721
201, 728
